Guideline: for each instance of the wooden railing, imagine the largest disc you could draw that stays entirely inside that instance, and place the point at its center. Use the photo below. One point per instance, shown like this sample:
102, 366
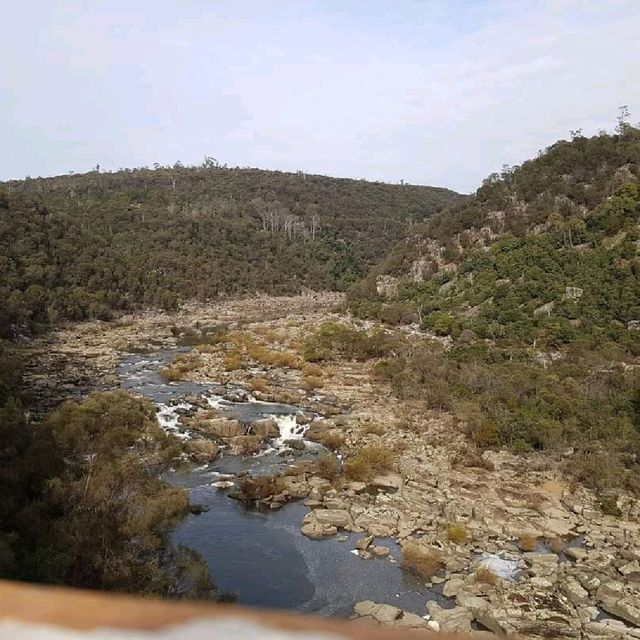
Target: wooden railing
25, 607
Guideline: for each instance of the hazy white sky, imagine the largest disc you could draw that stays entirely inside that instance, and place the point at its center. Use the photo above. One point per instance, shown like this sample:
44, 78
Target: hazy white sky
433, 92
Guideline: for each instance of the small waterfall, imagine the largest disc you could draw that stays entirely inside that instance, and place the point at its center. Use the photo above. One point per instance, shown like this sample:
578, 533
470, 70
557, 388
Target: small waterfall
169, 419
289, 428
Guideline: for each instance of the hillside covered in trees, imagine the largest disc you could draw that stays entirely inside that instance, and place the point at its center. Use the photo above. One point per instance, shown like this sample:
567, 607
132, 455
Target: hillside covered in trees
80, 246
534, 286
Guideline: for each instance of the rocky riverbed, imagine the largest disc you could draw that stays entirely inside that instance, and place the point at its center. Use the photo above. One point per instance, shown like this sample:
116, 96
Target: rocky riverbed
513, 546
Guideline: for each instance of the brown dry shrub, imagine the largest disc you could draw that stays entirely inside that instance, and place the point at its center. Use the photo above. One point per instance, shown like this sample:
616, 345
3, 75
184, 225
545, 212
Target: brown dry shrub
528, 542
371, 459
484, 574
332, 439
310, 369
254, 489
259, 384
457, 533
232, 361
312, 382
426, 562
327, 466
181, 366
373, 428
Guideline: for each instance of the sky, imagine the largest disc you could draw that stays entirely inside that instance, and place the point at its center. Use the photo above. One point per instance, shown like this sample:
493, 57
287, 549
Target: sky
426, 91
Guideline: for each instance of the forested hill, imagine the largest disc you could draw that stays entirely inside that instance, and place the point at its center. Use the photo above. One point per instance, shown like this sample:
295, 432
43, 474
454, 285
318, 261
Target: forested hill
79, 246
533, 285
544, 251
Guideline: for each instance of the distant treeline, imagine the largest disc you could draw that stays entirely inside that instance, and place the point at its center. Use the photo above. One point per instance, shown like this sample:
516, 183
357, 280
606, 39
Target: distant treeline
80, 246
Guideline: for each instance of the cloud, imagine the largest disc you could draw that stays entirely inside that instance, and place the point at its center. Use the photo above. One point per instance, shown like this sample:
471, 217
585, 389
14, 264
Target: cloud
430, 92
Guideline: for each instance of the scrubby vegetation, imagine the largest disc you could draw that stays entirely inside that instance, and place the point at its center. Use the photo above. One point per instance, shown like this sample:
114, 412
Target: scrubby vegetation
533, 286
368, 461
79, 505
333, 340
80, 246
425, 561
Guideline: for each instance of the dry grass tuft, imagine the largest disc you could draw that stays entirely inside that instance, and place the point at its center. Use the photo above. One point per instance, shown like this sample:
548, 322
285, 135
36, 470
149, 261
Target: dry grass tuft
327, 466
457, 533
312, 382
373, 428
232, 361
426, 562
181, 366
259, 384
528, 542
370, 460
484, 574
332, 439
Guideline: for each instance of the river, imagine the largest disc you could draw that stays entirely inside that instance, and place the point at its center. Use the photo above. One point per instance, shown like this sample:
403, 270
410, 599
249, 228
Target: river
261, 557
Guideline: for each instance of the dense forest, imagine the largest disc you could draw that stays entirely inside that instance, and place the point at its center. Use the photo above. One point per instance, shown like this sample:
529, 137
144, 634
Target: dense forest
80, 246
533, 285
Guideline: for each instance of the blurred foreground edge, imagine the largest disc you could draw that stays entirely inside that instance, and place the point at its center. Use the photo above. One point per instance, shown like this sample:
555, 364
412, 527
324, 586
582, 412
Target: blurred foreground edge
35, 606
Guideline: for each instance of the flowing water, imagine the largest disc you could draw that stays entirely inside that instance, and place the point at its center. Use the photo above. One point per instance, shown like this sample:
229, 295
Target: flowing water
261, 557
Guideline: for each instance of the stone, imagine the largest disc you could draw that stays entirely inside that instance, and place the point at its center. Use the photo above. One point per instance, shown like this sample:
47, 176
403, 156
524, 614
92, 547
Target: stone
380, 552
629, 568
387, 482
297, 444
614, 599
316, 531
452, 587
577, 553
576, 593
382, 613
336, 517
410, 620
220, 427
267, 427
364, 543
456, 620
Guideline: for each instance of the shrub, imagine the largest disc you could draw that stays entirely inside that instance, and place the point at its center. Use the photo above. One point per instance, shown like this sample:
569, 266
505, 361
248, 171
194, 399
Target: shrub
327, 466
259, 384
232, 361
312, 382
457, 533
181, 366
373, 428
368, 461
255, 489
609, 506
332, 439
528, 542
484, 574
424, 561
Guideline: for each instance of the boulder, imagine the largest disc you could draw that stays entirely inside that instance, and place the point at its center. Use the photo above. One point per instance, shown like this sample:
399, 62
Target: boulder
245, 445
266, 428
381, 613
576, 593
364, 543
337, 517
380, 551
221, 427
297, 444
620, 602
202, 451
452, 587
457, 620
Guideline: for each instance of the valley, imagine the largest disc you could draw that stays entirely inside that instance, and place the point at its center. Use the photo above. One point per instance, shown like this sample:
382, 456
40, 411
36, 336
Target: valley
387, 494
